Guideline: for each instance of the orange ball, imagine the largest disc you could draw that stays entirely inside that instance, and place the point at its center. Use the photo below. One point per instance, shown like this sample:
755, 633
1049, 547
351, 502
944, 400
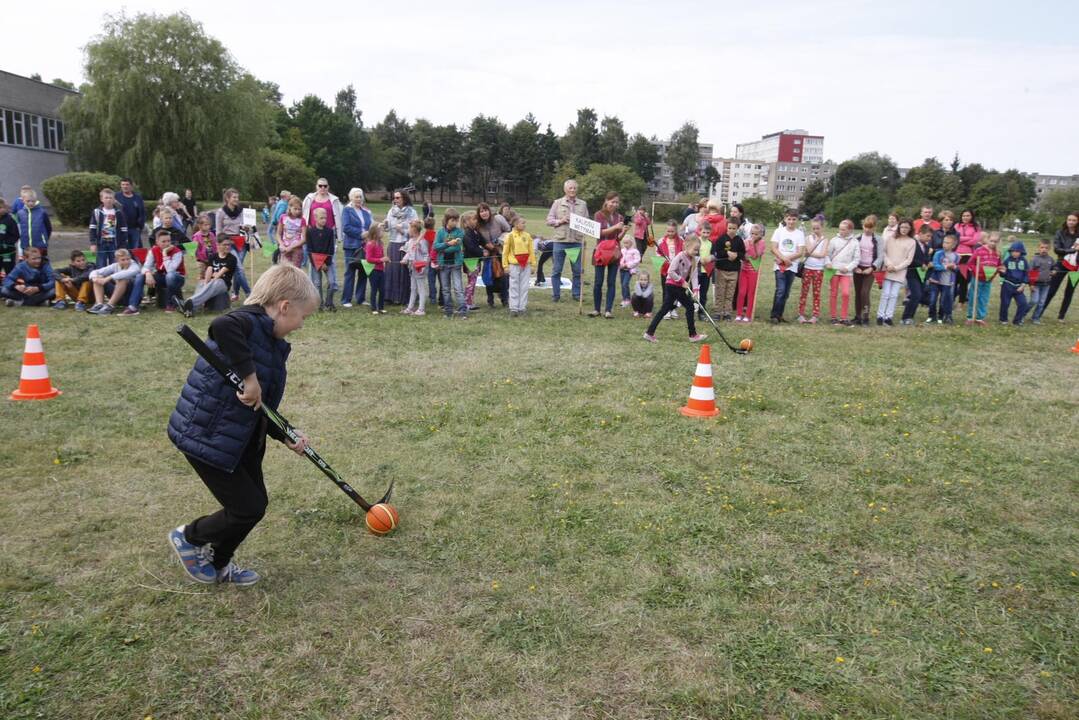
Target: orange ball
747, 345
382, 518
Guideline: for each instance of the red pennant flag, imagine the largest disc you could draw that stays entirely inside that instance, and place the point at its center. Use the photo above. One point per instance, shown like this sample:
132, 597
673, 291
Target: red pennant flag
319, 260
522, 259
1033, 276
140, 254
964, 270
879, 276
419, 266
238, 242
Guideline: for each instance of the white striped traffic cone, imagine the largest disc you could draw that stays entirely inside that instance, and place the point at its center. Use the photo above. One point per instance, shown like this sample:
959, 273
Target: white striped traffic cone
702, 396
34, 383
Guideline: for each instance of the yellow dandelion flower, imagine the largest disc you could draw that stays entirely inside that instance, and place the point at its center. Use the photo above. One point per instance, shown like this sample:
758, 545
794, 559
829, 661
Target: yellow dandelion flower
840, 659
1046, 673
37, 669
495, 584
987, 650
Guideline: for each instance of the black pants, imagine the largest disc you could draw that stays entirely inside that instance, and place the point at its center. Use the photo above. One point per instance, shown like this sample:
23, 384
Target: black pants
675, 294
916, 291
1060, 276
498, 287
544, 257
705, 281
242, 494
377, 278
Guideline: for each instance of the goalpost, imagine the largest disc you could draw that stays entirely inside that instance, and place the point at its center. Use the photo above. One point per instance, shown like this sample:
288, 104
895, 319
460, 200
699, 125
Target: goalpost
665, 202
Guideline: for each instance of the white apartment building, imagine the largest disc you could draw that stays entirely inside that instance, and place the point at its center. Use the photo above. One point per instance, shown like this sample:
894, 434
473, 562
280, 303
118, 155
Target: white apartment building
663, 186
741, 179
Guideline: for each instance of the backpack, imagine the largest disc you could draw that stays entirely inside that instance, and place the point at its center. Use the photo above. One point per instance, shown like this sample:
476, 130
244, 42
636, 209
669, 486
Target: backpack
605, 252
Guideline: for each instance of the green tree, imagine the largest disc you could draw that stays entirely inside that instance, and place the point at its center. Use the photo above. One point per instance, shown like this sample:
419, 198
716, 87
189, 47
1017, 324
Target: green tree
580, 144
998, 197
486, 158
602, 178
424, 163
395, 144
931, 185
970, 175
1058, 204
766, 212
281, 171
452, 149
338, 149
526, 150
199, 120
872, 169
612, 141
61, 83
814, 198
855, 204
642, 156
683, 157
563, 171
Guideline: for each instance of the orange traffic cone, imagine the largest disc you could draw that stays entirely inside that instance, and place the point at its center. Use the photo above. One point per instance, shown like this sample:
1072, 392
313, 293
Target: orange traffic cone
34, 383
702, 396
1076, 348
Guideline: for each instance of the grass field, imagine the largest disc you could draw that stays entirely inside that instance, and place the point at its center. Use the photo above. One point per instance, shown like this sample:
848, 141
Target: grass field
881, 525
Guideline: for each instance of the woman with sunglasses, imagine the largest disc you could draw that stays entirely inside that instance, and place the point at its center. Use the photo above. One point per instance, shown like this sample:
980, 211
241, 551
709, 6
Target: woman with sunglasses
322, 198
397, 282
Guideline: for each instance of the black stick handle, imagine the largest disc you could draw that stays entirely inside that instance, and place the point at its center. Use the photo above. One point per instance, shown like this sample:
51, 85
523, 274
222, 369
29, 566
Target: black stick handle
272, 415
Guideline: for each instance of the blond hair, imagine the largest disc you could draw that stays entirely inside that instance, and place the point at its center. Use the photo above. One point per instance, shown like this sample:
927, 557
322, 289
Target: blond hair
283, 282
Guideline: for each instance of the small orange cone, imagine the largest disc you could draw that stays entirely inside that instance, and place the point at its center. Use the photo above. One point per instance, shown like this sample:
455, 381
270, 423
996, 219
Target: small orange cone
1076, 348
34, 383
702, 396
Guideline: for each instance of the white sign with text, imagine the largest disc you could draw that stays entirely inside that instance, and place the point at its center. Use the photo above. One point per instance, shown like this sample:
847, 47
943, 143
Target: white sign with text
581, 224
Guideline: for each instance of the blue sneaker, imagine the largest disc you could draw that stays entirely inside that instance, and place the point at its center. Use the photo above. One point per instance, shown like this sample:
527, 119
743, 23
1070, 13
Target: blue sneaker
197, 561
232, 573
80, 307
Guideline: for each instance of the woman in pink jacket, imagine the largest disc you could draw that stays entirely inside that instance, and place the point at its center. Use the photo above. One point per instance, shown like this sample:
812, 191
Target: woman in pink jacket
970, 237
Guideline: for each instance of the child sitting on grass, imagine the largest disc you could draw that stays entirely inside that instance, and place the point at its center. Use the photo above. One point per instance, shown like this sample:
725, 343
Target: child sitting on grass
216, 281
681, 282
30, 282
643, 299
220, 432
115, 281
417, 258
73, 282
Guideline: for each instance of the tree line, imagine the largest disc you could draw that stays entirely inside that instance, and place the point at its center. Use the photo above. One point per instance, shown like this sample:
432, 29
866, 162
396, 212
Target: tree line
213, 125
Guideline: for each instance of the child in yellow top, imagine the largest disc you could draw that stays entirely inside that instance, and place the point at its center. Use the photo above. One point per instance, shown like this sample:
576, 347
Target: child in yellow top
518, 254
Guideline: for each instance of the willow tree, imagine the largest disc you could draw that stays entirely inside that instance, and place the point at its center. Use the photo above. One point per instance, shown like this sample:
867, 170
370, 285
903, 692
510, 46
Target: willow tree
167, 105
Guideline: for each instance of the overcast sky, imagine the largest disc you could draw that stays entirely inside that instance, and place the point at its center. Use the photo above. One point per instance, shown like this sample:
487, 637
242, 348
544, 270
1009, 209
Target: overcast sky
996, 81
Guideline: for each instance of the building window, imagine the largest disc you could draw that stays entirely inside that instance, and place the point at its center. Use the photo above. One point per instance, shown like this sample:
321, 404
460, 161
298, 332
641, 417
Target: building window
34, 131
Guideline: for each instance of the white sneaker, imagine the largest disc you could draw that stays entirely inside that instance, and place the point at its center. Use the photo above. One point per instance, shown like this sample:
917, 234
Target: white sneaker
346, 304
738, 318
673, 315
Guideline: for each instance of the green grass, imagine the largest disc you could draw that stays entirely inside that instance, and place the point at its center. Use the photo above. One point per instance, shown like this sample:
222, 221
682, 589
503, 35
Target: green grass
571, 546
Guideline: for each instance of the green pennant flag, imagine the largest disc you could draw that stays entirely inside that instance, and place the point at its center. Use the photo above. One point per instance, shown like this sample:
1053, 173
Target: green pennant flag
756, 263
922, 272
989, 271
573, 253
91, 256
657, 262
367, 267
1073, 277
190, 247
471, 263
829, 273
268, 250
